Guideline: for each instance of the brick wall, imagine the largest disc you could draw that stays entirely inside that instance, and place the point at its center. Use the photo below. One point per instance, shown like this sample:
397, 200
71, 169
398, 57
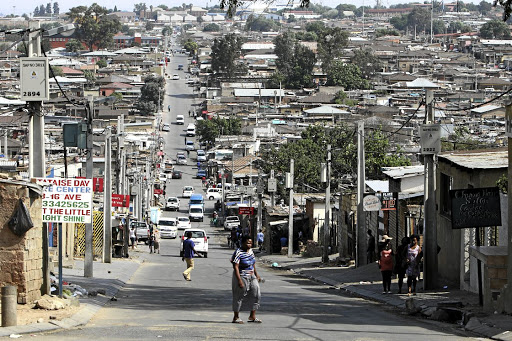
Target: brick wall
21, 258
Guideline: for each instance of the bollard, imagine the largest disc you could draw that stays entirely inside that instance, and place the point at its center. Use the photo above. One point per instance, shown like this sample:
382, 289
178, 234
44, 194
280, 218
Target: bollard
9, 306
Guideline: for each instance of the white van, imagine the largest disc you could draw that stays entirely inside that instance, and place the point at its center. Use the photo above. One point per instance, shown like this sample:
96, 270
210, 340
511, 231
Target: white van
180, 119
168, 227
191, 130
196, 213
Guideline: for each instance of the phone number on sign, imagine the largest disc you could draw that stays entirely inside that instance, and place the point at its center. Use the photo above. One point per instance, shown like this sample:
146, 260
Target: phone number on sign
65, 204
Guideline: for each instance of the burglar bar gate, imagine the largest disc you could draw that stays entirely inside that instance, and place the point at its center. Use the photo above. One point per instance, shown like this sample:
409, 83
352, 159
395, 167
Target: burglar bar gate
97, 239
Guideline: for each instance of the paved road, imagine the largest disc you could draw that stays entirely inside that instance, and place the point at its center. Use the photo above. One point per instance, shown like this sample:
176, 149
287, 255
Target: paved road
158, 303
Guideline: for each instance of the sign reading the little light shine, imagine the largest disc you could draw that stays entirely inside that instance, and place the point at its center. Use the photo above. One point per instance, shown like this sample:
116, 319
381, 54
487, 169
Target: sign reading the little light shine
66, 200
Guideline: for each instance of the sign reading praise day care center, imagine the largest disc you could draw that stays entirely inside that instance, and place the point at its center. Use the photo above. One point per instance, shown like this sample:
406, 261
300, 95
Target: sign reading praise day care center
66, 200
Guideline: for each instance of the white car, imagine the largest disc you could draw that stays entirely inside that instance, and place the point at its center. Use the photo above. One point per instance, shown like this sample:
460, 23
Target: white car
200, 240
231, 222
180, 119
201, 155
175, 77
172, 203
163, 177
214, 193
168, 227
189, 145
183, 223
187, 191
166, 127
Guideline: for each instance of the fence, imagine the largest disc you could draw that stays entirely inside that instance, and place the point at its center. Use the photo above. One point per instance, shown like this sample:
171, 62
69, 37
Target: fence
97, 238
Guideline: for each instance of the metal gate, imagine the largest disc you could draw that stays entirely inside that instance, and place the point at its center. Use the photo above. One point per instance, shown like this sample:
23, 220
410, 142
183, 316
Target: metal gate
97, 236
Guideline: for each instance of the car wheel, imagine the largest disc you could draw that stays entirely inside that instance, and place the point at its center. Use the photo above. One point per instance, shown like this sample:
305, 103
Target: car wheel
205, 255
211, 198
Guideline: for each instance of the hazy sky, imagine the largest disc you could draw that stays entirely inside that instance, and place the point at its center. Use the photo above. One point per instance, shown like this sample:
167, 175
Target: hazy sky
27, 6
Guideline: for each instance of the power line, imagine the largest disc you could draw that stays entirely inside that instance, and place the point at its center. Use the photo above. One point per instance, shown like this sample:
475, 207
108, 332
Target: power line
479, 105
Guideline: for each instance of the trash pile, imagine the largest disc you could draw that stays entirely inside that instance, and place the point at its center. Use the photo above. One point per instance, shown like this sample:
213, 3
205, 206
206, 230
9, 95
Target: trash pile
68, 289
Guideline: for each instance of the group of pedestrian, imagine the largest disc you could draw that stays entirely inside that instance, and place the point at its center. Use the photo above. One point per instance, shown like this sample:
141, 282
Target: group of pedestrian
405, 262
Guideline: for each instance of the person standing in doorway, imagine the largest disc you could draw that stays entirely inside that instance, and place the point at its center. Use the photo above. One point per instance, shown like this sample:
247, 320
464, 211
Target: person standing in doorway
370, 250
401, 262
188, 255
245, 282
413, 269
386, 264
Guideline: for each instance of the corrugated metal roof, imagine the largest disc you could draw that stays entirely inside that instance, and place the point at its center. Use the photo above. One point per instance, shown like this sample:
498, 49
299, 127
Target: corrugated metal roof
258, 92
378, 185
403, 172
478, 159
485, 108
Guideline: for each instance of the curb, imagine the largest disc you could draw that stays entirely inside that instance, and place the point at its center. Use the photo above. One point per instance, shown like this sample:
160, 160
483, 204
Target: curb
473, 326
88, 309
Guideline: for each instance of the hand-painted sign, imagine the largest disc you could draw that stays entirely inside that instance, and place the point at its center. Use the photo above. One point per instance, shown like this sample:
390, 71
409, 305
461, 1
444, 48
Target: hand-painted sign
475, 207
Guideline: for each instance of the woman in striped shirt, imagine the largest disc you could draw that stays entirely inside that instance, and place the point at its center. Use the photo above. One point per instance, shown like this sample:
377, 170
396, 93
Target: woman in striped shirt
245, 283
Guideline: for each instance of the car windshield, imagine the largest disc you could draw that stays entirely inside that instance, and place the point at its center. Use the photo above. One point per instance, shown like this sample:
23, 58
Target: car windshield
183, 219
167, 222
172, 200
196, 210
138, 225
197, 234
188, 188
200, 152
232, 218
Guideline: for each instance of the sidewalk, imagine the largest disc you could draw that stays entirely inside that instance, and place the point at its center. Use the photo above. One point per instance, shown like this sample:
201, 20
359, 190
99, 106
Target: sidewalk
366, 282
110, 277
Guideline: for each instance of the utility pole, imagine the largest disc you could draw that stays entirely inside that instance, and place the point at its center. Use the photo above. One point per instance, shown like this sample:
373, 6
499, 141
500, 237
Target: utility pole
6, 151
430, 247
360, 231
326, 174
289, 184
107, 199
272, 200
507, 295
260, 204
89, 254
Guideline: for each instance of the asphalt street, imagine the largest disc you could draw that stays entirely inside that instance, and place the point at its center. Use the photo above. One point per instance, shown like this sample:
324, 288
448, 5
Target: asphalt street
158, 303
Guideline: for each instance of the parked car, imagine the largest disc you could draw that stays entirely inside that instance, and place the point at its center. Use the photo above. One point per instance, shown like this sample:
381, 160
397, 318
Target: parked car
183, 223
141, 230
214, 193
201, 173
168, 227
176, 174
166, 127
201, 155
200, 240
180, 119
162, 177
187, 191
172, 203
231, 222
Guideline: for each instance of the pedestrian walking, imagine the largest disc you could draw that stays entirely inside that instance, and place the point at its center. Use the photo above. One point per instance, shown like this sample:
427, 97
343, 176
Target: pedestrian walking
132, 236
386, 264
188, 255
260, 237
401, 262
156, 241
151, 241
245, 282
413, 269
169, 108
370, 250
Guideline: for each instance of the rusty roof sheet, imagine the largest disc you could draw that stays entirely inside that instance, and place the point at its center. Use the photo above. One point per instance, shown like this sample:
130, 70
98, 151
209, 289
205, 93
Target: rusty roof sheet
480, 159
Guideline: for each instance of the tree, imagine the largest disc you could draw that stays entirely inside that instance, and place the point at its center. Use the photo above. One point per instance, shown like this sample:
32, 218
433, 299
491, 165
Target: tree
342, 98
36, 11
438, 26
331, 42
191, 46
348, 76
294, 62
115, 9
57, 71
209, 130
73, 45
166, 31
42, 10
95, 27
484, 7
49, 8
419, 18
400, 23
101, 63
381, 32
90, 77
225, 55
213, 27
140, 7
458, 26
56, 8
495, 29
260, 23
151, 94
316, 26
367, 62
149, 26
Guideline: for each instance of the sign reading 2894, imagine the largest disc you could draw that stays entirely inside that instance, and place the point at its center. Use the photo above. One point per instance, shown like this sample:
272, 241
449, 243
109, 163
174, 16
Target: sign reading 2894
34, 79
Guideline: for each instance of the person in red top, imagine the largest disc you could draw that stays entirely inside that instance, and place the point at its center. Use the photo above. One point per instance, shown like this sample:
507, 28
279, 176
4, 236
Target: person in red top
386, 264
